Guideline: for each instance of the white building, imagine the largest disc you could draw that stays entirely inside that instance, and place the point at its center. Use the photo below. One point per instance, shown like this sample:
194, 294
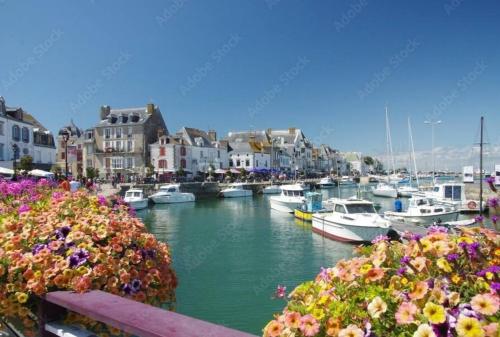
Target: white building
248, 156
192, 150
296, 145
21, 133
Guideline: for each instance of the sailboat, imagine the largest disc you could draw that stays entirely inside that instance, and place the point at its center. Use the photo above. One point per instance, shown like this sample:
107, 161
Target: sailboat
386, 189
408, 190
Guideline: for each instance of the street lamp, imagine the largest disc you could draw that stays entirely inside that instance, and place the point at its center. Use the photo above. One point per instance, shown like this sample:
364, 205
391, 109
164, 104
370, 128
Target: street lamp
65, 137
433, 124
15, 151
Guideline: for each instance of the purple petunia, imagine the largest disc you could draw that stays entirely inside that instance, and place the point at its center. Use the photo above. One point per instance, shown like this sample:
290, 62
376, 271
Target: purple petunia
495, 286
380, 238
78, 258
452, 257
479, 218
37, 248
136, 285
494, 219
401, 271
102, 200
493, 202
23, 209
405, 260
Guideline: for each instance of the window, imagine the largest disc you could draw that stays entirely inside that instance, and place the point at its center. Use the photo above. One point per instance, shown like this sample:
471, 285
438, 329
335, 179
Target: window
1, 128
108, 162
183, 151
339, 209
130, 146
118, 132
162, 141
116, 163
107, 133
201, 154
162, 151
1, 151
16, 133
129, 132
130, 162
230, 163
63, 155
26, 135
118, 145
218, 153
247, 162
238, 163
183, 163
89, 162
162, 163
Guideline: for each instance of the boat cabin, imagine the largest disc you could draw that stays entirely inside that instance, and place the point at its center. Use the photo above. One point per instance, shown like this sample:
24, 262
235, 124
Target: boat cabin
292, 190
134, 194
313, 202
426, 205
353, 206
172, 188
449, 191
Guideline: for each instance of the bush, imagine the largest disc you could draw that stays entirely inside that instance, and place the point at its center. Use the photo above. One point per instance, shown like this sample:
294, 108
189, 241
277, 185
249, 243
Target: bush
53, 240
439, 285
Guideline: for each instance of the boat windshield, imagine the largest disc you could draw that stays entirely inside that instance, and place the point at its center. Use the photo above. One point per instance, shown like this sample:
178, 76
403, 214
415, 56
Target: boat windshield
133, 194
360, 208
293, 193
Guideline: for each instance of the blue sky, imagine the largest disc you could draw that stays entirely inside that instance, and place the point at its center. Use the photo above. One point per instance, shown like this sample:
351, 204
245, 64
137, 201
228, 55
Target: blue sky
328, 67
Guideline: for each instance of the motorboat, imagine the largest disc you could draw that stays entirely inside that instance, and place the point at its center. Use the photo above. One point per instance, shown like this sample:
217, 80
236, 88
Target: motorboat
424, 211
407, 191
351, 220
385, 190
170, 194
236, 190
346, 180
272, 189
326, 183
312, 204
136, 199
453, 192
291, 197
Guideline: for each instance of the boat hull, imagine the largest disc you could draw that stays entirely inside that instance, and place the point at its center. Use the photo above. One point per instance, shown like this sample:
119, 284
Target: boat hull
287, 206
303, 215
271, 190
326, 186
138, 204
385, 193
344, 232
173, 199
236, 194
421, 219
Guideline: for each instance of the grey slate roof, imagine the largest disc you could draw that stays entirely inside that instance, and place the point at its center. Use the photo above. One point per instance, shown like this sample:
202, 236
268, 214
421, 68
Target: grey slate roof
129, 112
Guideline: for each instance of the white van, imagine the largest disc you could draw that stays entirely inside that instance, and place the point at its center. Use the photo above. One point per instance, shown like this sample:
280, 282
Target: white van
468, 174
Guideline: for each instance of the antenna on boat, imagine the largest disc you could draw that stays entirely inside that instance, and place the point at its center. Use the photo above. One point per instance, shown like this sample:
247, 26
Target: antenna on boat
481, 169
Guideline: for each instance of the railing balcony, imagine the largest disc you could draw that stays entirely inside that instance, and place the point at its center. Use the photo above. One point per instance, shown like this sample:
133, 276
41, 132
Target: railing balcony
125, 314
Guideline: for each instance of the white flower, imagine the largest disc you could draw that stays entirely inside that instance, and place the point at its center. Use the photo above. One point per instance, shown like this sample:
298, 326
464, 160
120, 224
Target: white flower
377, 307
424, 330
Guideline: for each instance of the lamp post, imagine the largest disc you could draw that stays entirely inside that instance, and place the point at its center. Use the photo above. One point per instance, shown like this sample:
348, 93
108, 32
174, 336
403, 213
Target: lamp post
65, 137
433, 124
15, 151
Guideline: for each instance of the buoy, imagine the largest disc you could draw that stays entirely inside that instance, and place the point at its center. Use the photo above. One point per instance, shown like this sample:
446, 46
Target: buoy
471, 204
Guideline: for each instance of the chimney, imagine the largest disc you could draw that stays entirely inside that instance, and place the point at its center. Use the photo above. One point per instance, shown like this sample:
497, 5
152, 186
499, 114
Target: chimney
212, 135
105, 110
150, 108
291, 131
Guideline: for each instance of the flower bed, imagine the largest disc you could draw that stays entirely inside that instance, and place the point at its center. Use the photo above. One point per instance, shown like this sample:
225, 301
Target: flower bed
53, 240
439, 285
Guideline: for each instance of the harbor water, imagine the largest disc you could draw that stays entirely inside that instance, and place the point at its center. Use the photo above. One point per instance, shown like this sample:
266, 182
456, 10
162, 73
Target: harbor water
230, 255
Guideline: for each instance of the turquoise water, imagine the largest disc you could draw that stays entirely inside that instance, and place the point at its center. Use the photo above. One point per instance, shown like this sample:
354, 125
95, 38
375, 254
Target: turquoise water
230, 254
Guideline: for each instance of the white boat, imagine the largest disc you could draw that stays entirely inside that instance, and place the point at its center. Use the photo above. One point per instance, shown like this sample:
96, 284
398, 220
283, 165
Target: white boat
135, 198
468, 174
236, 190
291, 197
453, 193
346, 180
424, 211
385, 190
170, 194
406, 191
326, 183
351, 220
273, 189
497, 175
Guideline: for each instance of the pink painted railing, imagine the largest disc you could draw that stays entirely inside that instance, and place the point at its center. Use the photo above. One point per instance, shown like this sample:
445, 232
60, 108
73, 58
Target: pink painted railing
129, 316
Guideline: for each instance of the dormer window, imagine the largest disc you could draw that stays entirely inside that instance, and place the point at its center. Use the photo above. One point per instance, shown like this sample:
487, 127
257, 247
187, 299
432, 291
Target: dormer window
112, 119
134, 118
124, 118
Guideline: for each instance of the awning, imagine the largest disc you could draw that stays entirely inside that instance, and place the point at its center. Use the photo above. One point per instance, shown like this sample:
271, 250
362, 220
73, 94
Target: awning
235, 171
4, 170
40, 173
220, 171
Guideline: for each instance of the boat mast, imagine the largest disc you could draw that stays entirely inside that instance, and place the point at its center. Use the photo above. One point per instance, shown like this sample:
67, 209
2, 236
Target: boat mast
389, 144
413, 153
481, 169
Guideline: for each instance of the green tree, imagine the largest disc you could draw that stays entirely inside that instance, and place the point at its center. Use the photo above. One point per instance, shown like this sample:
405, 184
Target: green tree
180, 172
26, 163
91, 172
369, 160
150, 170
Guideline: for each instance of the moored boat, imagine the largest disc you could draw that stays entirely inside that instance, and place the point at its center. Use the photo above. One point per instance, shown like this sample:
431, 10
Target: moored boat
385, 190
351, 220
135, 198
326, 183
311, 204
291, 197
169, 194
236, 190
453, 192
272, 189
424, 211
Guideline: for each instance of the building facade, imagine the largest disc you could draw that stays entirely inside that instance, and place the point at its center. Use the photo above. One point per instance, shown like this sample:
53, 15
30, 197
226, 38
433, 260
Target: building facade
74, 150
22, 135
118, 146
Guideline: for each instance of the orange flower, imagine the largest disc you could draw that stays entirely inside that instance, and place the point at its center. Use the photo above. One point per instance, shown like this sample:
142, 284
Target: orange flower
374, 274
419, 290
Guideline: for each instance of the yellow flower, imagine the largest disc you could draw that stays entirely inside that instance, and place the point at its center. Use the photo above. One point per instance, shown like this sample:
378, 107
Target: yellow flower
22, 297
365, 268
444, 265
424, 330
455, 278
434, 313
469, 327
318, 314
404, 281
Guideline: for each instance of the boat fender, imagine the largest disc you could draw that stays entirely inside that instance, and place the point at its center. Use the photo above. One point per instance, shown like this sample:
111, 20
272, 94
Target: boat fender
471, 204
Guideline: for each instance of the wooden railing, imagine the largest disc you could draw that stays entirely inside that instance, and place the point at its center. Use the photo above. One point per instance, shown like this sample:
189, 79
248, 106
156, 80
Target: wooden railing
127, 315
